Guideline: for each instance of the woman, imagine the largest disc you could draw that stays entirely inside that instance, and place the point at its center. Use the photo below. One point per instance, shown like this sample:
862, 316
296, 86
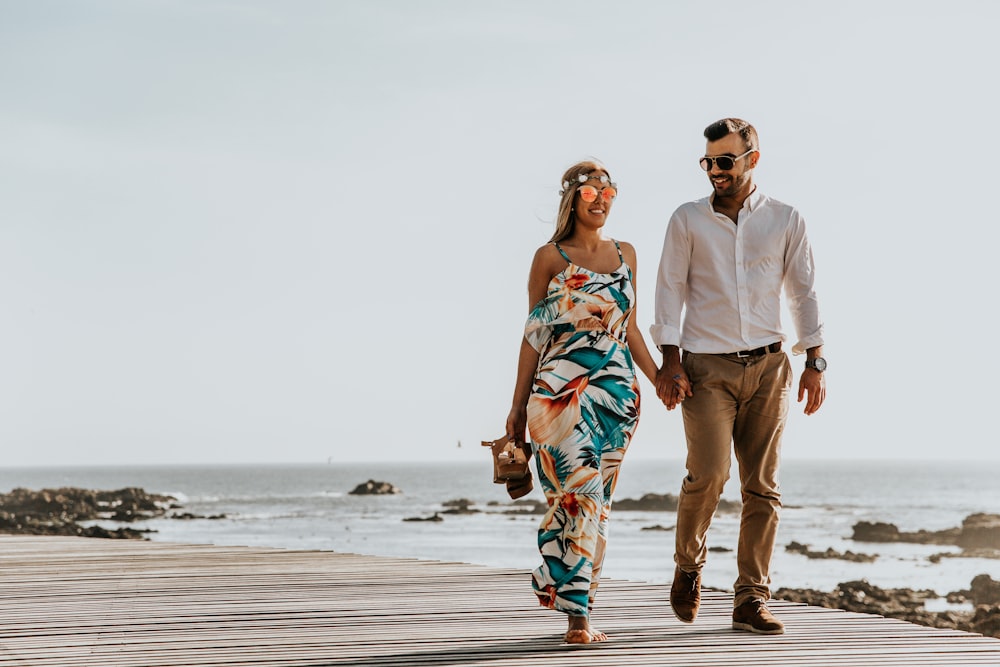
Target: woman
577, 392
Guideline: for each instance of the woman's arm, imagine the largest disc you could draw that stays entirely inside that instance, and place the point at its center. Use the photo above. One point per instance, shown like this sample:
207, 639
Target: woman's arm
547, 263
517, 419
636, 343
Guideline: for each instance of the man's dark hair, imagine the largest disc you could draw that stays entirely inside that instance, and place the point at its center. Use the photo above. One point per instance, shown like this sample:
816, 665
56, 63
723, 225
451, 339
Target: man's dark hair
726, 126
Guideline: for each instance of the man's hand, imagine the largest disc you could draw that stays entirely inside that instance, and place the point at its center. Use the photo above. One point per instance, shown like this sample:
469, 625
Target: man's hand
813, 384
672, 385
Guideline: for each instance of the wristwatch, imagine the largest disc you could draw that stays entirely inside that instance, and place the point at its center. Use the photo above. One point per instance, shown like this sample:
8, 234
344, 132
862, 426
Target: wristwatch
816, 363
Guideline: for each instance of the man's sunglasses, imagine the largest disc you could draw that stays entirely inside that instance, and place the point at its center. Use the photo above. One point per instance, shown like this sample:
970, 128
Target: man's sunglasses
725, 162
589, 193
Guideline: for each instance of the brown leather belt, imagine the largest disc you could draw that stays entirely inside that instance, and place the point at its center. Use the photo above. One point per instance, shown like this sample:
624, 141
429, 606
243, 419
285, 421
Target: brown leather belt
760, 351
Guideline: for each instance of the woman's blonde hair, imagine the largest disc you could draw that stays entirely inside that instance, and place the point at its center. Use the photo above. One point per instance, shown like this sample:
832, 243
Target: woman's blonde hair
566, 218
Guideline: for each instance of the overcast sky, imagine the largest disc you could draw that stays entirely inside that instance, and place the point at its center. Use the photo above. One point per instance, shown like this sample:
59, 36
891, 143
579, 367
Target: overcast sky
301, 231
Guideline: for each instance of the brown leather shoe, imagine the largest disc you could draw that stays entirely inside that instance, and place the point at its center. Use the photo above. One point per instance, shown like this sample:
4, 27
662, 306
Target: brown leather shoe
685, 595
753, 616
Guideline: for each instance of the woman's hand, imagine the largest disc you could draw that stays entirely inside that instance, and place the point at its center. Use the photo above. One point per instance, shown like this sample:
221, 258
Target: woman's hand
517, 424
672, 384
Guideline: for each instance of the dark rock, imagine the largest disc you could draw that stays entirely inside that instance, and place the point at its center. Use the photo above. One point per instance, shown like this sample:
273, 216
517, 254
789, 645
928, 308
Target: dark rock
902, 603
373, 488
980, 531
978, 553
460, 506
117, 533
804, 549
958, 597
459, 503
986, 621
74, 504
965, 553
651, 502
657, 527
866, 531
59, 511
664, 502
985, 590
979, 534
527, 506
436, 517
860, 596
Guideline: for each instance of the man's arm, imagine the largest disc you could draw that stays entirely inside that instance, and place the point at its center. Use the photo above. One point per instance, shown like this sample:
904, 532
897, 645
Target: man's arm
671, 292
799, 281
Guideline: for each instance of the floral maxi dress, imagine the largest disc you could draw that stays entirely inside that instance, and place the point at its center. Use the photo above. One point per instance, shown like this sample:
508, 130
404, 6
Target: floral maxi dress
582, 412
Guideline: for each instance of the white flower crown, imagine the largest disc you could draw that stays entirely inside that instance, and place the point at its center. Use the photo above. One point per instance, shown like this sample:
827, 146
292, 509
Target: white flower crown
583, 178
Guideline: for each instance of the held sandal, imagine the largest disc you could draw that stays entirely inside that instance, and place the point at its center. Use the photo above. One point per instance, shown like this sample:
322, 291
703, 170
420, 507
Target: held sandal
510, 465
518, 488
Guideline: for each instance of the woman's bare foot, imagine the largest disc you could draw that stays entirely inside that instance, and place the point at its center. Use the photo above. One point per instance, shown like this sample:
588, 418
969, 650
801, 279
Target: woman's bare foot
580, 632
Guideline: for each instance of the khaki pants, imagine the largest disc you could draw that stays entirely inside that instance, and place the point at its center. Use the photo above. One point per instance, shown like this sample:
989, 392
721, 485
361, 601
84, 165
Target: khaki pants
738, 404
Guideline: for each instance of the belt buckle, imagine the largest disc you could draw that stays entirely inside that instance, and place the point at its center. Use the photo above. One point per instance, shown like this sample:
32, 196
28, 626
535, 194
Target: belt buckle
744, 354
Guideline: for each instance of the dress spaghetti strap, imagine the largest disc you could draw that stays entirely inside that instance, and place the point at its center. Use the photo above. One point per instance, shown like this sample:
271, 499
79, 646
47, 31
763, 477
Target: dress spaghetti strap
566, 257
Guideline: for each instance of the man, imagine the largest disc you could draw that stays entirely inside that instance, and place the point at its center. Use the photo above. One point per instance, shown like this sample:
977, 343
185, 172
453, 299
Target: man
725, 261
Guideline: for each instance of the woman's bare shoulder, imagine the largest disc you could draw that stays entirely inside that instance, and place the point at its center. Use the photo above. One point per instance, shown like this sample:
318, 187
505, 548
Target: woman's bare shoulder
547, 257
628, 251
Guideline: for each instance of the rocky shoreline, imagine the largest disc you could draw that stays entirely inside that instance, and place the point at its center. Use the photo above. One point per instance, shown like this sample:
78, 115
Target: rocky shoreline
978, 532
75, 512
909, 605
977, 537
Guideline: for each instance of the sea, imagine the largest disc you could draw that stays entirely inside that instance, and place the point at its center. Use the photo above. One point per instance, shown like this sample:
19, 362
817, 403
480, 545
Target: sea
309, 506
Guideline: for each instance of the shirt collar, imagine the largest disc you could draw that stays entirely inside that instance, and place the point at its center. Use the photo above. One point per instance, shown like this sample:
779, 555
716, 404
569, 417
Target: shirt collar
751, 203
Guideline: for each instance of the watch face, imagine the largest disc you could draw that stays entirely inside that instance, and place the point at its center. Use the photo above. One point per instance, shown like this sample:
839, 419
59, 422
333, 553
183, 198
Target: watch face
819, 363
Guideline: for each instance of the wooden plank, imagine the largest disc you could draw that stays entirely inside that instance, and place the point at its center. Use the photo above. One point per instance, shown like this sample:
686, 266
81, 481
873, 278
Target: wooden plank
79, 601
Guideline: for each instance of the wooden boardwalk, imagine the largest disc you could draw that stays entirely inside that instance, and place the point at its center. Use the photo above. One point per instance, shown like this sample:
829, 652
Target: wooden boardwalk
75, 602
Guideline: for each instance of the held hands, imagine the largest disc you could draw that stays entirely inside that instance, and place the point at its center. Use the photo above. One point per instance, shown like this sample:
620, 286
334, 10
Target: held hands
813, 384
672, 385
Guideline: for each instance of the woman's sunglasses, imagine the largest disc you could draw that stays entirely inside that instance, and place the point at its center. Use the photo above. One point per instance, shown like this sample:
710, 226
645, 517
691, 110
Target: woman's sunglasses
725, 162
589, 193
